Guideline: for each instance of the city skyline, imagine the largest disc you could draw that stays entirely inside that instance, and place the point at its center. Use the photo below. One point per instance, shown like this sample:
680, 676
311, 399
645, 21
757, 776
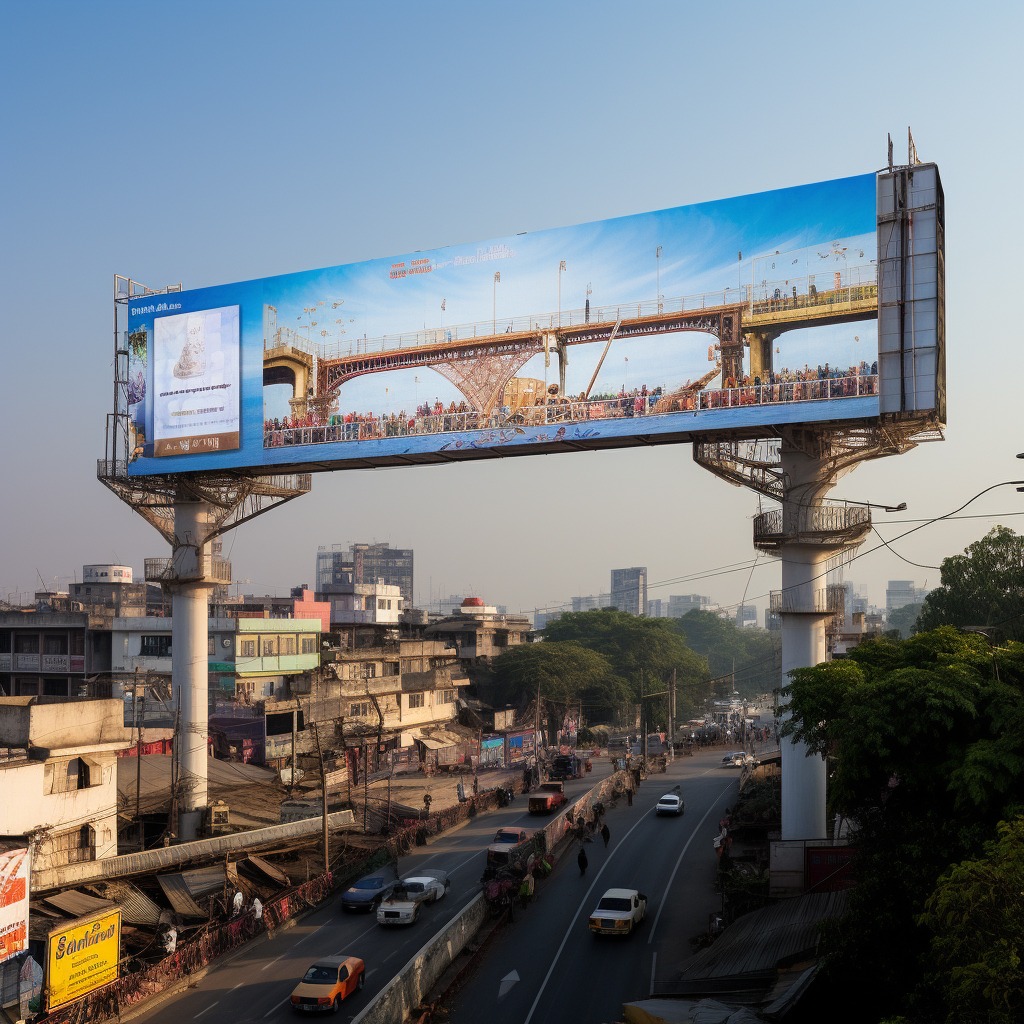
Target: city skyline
178, 190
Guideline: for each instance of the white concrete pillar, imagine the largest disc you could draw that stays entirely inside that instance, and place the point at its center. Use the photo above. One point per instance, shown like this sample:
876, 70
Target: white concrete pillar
190, 661
803, 645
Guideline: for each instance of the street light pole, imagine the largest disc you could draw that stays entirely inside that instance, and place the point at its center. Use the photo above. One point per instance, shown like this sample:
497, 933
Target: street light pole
561, 267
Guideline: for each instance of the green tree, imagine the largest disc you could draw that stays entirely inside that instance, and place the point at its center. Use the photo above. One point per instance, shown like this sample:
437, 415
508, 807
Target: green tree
750, 656
643, 653
976, 920
982, 588
565, 673
925, 741
903, 621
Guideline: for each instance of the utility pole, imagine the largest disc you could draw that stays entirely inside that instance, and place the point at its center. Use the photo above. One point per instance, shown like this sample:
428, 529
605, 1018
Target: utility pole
295, 729
672, 716
536, 728
323, 794
138, 765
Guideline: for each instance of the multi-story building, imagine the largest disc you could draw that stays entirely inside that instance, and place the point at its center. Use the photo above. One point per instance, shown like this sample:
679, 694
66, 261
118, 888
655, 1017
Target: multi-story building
657, 608
681, 604
591, 602
55, 653
629, 590
365, 563
480, 632
59, 779
746, 615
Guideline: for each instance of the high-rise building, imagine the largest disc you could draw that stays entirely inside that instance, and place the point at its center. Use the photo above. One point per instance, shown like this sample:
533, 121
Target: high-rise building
365, 563
591, 602
629, 590
680, 604
900, 593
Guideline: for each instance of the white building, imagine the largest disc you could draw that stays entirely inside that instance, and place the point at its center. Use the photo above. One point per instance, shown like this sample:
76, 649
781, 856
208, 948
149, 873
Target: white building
58, 777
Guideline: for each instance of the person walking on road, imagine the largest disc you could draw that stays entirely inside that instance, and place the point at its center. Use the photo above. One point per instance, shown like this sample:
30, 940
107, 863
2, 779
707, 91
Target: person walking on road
605, 834
582, 861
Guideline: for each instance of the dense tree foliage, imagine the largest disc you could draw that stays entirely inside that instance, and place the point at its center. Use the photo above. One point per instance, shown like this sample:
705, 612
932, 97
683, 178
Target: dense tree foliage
565, 673
981, 589
753, 654
642, 653
976, 919
903, 621
925, 740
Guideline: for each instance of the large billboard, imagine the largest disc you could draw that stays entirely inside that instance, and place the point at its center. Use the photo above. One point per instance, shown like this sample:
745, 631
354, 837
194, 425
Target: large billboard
14, 890
82, 956
739, 315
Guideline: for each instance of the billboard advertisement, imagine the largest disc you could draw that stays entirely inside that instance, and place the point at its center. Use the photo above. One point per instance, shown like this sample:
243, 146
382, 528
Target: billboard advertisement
82, 956
14, 890
734, 315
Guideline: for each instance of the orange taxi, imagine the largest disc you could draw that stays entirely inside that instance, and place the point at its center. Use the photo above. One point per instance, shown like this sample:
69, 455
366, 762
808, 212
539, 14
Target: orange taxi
327, 982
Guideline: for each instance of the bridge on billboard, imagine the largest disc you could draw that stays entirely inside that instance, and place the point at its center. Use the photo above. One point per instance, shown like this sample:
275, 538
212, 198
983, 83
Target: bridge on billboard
481, 359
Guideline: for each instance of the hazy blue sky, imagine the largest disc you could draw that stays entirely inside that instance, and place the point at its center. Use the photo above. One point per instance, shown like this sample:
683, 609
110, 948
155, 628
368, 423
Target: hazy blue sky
214, 142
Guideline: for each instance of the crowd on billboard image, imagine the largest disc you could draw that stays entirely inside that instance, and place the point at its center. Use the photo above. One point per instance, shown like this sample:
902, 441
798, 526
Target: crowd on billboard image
810, 384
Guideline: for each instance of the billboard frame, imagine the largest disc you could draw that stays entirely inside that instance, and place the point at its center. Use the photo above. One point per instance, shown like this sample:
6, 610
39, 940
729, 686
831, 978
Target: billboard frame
97, 933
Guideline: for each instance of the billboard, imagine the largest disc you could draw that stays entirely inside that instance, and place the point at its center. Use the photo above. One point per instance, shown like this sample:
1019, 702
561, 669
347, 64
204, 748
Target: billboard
741, 314
14, 890
82, 956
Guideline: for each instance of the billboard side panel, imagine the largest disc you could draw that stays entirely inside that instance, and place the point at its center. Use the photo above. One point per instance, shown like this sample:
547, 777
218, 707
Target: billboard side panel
81, 957
14, 892
737, 314
912, 292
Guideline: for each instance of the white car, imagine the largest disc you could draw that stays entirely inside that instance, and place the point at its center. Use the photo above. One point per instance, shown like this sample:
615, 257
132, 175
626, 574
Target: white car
738, 759
670, 803
619, 912
412, 891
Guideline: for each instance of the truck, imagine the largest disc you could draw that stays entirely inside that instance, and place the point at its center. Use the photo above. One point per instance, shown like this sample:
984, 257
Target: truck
548, 798
565, 766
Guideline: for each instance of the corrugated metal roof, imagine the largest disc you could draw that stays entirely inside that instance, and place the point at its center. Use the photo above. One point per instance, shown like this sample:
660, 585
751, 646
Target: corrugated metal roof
77, 904
171, 856
745, 963
201, 881
177, 892
136, 906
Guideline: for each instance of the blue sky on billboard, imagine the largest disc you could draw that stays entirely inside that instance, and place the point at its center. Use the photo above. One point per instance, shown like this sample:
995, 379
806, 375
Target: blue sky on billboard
213, 147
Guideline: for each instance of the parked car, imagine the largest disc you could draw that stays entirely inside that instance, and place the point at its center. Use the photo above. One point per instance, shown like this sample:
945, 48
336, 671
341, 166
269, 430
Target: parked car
619, 912
670, 803
412, 891
367, 892
327, 982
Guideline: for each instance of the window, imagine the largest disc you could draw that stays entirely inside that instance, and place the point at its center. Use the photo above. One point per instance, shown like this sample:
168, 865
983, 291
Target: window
287, 645
26, 643
445, 696
210, 649
308, 645
360, 710
248, 648
269, 646
391, 668
416, 700
55, 644
155, 646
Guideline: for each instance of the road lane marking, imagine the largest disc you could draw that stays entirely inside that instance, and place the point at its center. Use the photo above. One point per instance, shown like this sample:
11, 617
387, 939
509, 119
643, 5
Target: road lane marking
276, 1007
270, 963
587, 897
679, 860
210, 1007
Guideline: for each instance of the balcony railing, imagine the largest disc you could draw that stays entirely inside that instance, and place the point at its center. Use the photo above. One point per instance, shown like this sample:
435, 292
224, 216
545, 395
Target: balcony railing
832, 526
208, 570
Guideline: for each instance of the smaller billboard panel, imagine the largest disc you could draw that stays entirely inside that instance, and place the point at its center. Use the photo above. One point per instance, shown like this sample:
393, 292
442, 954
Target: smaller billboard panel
14, 891
82, 956
196, 406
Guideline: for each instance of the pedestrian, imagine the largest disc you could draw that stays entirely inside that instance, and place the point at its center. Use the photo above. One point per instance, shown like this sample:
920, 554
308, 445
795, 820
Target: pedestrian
629, 796
257, 909
582, 861
605, 834
236, 904
476, 784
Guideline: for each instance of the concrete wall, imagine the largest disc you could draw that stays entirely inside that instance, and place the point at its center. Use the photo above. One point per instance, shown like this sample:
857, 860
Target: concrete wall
413, 983
74, 724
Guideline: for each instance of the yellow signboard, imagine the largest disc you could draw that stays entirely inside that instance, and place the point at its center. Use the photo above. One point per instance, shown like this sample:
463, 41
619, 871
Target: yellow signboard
82, 956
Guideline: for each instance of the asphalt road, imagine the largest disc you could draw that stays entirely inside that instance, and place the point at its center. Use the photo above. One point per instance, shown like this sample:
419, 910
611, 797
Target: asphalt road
546, 968
254, 986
